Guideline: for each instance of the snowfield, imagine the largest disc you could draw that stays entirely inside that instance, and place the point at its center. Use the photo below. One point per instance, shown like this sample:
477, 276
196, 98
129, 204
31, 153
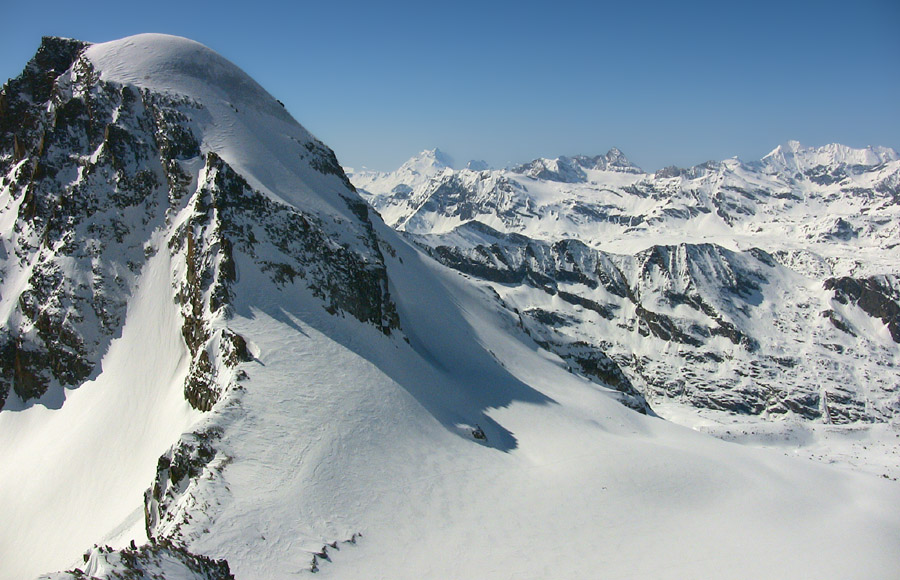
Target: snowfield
74, 470
348, 451
589, 488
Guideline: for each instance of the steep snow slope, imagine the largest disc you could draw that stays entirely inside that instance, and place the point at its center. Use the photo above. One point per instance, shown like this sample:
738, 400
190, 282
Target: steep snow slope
73, 476
367, 412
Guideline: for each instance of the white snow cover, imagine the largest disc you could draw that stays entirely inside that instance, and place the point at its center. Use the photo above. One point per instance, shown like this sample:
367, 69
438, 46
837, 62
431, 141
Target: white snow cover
75, 475
244, 124
795, 157
344, 434
359, 438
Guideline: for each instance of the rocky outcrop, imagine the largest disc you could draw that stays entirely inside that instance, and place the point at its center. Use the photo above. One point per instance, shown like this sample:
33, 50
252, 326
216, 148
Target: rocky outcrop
162, 559
697, 323
877, 296
175, 471
80, 170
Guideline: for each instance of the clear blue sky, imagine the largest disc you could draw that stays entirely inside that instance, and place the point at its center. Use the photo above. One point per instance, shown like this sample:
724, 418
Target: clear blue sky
666, 82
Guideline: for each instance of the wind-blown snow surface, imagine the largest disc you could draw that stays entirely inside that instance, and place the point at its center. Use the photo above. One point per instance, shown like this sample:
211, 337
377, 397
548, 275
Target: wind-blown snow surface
345, 434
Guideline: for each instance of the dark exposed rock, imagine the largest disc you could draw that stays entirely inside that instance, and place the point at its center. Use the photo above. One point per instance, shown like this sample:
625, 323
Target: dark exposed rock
607, 311
547, 318
323, 160
154, 560
593, 362
184, 461
234, 348
670, 171
346, 280
54, 127
842, 407
803, 404
879, 297
662, 327
838, 321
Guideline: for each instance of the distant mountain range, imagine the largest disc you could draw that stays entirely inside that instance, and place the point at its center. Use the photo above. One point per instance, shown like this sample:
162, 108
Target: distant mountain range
767, 288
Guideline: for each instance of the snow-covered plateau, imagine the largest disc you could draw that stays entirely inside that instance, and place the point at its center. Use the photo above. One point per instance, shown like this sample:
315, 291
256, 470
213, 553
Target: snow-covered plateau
217, 361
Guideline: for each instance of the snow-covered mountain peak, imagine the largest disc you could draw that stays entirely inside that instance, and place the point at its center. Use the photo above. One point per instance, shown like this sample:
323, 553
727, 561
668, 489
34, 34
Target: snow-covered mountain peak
617, 161
169, 140
415, 174
152, 197
429, 161
172, 64
208, 341
235, 117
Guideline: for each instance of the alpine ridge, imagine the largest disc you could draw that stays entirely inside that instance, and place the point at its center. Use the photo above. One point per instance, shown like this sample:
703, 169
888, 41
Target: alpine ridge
767, 288
219, 362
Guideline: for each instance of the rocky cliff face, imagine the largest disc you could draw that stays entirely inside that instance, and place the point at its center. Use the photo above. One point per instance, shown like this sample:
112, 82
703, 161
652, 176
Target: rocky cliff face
711, 327
96, 176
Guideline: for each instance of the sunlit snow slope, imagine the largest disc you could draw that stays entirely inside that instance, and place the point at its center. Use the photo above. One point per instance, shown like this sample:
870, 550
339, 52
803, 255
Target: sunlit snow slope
338, 375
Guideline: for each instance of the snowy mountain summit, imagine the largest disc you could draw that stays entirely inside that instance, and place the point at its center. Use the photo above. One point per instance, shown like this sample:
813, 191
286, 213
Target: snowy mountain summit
217, 361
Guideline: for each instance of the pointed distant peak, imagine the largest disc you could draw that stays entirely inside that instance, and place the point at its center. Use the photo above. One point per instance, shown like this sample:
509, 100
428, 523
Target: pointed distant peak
439, 157
613, 160
617, 161
787, 148
428, 162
